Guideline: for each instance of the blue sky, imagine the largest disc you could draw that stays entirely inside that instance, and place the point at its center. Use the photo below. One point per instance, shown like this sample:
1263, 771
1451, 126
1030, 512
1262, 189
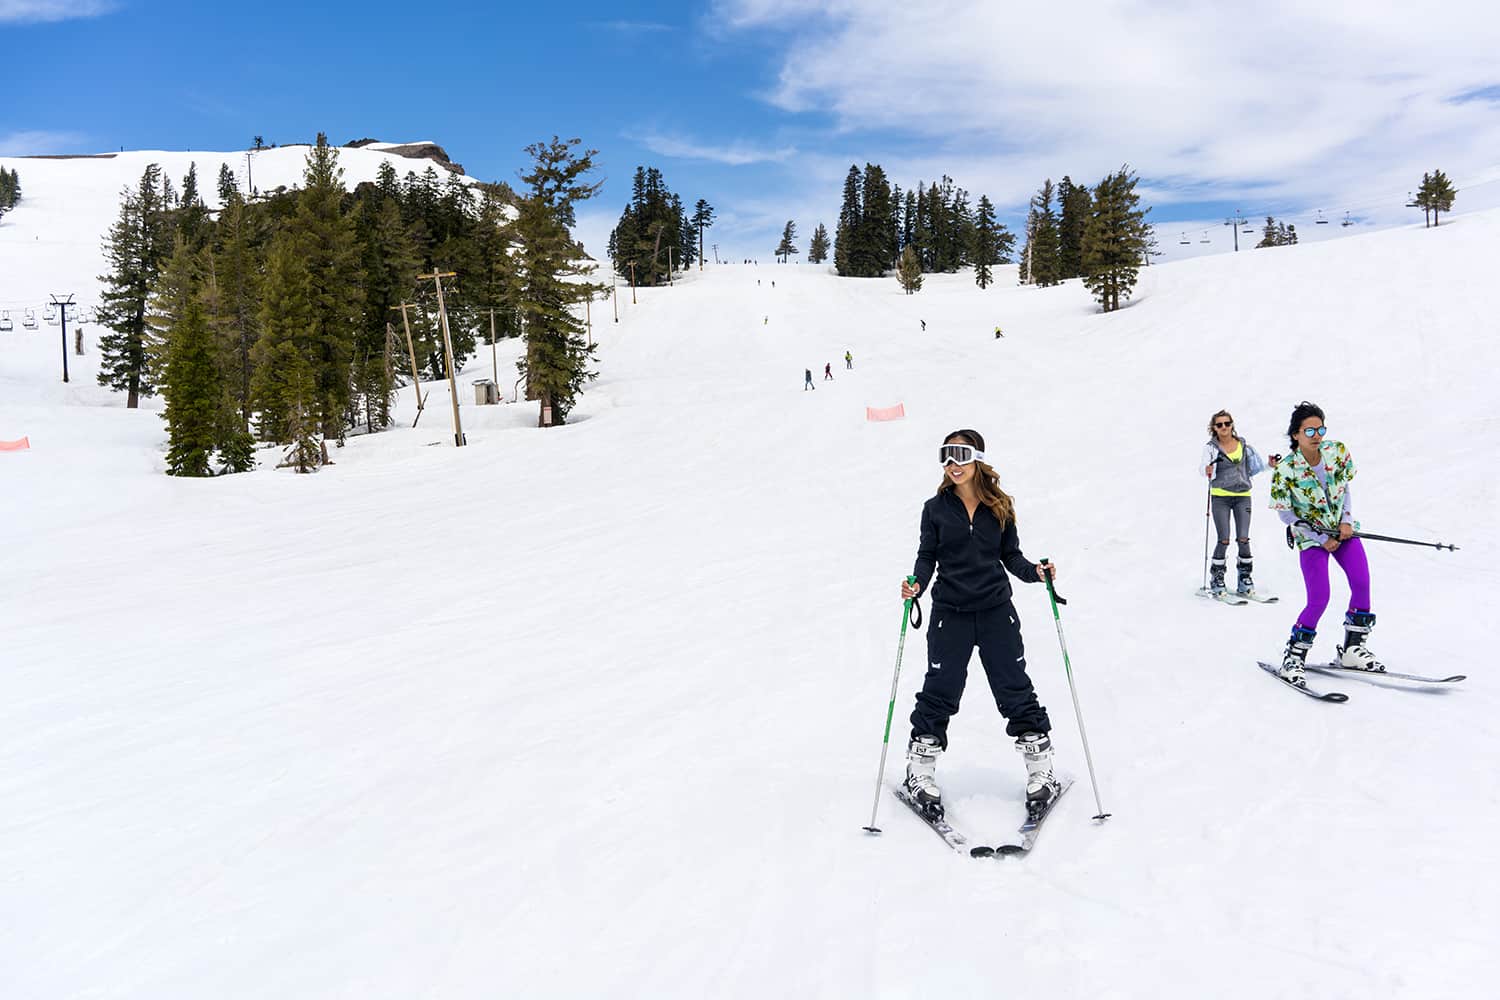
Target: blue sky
761, 105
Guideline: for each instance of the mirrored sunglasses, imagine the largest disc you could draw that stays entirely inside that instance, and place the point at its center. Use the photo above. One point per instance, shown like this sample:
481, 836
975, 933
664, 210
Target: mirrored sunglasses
1315, 431
958, 454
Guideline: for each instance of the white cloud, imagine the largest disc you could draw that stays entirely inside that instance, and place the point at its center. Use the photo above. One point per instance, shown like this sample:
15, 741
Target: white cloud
37, 11
38, 143
1292, 103
634, 27
735, 154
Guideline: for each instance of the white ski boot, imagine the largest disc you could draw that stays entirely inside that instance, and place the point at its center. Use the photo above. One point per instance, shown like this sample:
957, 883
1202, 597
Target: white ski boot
922, 754
1354, 654
1295, 656
1041, 786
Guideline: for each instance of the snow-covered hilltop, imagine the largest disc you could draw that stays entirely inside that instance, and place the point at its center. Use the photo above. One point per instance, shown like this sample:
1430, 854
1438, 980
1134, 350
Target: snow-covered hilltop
595, 710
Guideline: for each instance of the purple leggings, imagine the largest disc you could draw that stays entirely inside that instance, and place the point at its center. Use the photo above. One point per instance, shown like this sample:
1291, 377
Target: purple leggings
1350, 556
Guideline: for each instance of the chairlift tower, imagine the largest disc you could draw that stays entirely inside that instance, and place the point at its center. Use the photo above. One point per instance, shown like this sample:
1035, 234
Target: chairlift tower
1235, 222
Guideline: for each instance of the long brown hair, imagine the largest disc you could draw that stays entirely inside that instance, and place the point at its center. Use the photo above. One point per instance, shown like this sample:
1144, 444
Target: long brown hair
987, 482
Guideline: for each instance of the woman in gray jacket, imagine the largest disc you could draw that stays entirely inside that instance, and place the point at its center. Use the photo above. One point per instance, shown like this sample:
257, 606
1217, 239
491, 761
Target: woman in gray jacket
1229, 461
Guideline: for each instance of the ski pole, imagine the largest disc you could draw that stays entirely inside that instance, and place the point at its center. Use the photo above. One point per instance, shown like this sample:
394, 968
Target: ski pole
1380, 538
1208, 513
885, 743
1101, 816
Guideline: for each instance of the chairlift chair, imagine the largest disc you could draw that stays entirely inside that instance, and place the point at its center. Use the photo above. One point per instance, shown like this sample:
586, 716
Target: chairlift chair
29, 320
1320, 221
1347, 221
1205, 237
5, 323
1184, 242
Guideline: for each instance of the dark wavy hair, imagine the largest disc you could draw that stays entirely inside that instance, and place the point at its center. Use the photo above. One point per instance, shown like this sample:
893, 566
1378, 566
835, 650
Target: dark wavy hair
1301, 412
987, 482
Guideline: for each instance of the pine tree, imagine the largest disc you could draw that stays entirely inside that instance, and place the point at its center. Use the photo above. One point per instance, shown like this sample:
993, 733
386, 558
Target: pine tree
135, 249
1115, 240
228, 186
909, 271
986, 247
238, 260
786, 247
1440, 194
1424, 200
848, 232
1270, 235
192, 386
703, 218
390, 266
817, 250
557, 356
325, 237
1043, 245
1076, 205
192, 215
286, 341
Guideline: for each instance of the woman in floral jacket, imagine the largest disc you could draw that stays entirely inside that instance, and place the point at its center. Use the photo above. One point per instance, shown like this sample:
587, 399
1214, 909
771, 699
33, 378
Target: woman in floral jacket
1310, 489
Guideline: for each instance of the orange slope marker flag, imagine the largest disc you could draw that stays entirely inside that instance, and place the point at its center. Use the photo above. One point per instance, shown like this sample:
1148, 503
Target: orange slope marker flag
22, 445
897, 412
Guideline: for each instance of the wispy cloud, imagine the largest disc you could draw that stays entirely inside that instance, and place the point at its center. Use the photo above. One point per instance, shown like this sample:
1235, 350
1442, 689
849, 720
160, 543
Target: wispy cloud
734, 154
633, 27
39, 11
39, 143
1290, 109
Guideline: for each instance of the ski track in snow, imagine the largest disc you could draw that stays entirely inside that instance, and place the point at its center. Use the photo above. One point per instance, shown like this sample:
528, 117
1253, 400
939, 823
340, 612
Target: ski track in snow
594, 711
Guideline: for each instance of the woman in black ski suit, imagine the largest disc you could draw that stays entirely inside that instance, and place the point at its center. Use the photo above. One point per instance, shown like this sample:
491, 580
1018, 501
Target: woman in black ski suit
969, 537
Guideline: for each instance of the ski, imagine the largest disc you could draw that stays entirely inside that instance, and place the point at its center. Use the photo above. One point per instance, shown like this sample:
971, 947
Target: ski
1028, 830
1337, 668
941, 827
1225, 597
1258, 598
1310, 692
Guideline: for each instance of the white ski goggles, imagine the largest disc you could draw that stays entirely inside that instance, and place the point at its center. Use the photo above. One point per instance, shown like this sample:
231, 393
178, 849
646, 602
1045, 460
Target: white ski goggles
958, 454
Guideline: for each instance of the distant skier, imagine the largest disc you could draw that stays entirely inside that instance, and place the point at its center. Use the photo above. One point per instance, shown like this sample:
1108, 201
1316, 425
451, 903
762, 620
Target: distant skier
757, 282
828, 372
1229, 462
998, 334
848, 360
924, 325
969, 537
807, 373
1311, 490
766, 321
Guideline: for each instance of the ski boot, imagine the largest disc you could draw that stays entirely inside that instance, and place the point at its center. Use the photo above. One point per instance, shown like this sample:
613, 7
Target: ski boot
1216, 577
1354, 654
1041, 786
1246, 584
921, 768
1295, 656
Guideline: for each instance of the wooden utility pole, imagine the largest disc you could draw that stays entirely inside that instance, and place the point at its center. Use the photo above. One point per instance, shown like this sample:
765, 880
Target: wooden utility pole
614, 292
436, 277
416, 374
62, 307
494, 357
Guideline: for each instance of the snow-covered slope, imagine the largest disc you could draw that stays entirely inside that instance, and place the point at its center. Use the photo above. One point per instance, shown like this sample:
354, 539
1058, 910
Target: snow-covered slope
595, 711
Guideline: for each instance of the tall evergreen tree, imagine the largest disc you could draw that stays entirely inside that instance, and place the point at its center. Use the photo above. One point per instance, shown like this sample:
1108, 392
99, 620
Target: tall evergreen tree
991, 242
285, 383
557, 354
703, 218
192, 215
192, 386
848, 232
1270, 235
238, 259
325, 237
786, 247
227, 186
1043, 244
817, 250
1076, 205
135, 248
1115, 240
1439, 194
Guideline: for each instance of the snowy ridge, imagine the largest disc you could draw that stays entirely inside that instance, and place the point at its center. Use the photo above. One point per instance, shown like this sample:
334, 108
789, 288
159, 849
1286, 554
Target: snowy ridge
593, 711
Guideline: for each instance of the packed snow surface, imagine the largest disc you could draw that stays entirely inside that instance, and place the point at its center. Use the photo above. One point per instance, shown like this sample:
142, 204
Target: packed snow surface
596, 710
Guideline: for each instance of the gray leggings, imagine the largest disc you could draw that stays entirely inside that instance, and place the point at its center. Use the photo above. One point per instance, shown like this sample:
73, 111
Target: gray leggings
1240, 508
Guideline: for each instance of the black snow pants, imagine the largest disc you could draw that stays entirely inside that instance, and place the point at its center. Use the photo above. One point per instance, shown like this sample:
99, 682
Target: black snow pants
951, 638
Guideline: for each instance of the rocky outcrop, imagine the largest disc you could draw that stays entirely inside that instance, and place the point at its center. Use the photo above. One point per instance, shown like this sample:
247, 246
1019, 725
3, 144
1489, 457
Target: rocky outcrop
415, 151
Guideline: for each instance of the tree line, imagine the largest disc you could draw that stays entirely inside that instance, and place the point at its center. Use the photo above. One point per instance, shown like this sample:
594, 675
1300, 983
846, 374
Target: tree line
272, 319
655, 235
10, 189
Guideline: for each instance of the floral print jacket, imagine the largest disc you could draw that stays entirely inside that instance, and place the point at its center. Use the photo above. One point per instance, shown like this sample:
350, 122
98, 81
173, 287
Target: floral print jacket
1295, 487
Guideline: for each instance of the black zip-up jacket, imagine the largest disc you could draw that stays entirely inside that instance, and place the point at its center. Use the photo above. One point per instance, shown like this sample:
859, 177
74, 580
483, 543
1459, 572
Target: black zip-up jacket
973, 555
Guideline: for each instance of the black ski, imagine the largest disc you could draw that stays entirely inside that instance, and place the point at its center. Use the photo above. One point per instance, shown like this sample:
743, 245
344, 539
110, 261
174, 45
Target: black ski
1028, 830
1337, 668
938, 825
1310, 692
